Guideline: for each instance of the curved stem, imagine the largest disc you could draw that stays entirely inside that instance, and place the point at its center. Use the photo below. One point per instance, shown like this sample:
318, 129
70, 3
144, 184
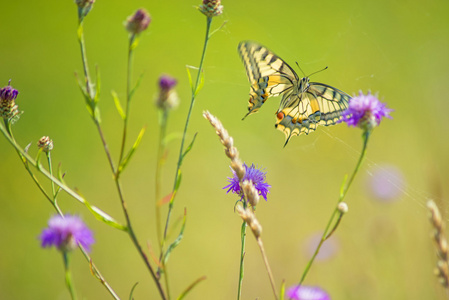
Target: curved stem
181, 149
327, 232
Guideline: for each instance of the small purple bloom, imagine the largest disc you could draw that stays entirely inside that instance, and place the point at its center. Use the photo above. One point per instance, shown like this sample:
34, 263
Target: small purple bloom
307, 293
167, 82
8, 93
365, 111
387, 183
256, 176
66, 232
138, 22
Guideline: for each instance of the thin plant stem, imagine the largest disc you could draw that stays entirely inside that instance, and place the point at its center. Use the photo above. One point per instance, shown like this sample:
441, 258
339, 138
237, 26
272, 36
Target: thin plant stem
26, 159
163, 117
267, 266
181, 149
128, 99
242, 254
327, 232
68, 275
115, 170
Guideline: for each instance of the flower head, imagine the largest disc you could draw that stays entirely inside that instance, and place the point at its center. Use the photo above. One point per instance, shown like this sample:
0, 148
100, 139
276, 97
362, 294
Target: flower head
66, 232
365, 111
256, 176
307, 293
211, 8
84, 7
8, 107
138, 22
167, 98
45, 143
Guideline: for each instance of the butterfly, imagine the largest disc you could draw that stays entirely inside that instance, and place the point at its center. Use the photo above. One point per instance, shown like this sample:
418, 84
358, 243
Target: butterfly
304, 104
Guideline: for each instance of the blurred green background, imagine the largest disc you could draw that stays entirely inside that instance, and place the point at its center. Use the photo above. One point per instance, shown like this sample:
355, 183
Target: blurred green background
382, 250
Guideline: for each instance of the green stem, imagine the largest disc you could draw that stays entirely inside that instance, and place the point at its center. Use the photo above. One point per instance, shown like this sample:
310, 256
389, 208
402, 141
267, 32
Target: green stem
68, 276
128, 99
84, 57
181, 149
163, 118
327, 232
242, 257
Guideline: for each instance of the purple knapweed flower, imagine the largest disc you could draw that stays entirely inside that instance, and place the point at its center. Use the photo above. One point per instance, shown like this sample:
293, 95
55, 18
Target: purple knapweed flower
386, 183
8, 107
138, 22
365, 111
256, 176
307, 293
167, 98
66, 232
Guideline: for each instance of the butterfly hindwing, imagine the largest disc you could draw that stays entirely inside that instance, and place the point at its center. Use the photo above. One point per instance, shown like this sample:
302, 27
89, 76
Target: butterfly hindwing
268, 74
304, 104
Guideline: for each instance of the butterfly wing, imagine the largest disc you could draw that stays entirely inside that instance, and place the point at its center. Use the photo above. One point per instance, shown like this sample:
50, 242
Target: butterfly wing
268, 74
318, 104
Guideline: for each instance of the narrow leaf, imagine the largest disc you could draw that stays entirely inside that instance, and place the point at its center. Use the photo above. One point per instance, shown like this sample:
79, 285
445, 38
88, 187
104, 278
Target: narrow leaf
201, 84
188, 148
165, 200
343, 185
97, 85
139, 80
127, 158
38, 159
118, 106
190, 77
132, 291
190, 287
282, 290
178, 239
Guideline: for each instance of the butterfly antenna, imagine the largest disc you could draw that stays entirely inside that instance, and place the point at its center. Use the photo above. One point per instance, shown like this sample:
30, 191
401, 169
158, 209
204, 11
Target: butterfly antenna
318, 71
300, 69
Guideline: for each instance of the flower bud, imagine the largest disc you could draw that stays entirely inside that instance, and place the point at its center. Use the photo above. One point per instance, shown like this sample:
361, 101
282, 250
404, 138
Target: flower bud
167, 98
8, 107
45, 143
211, 8
138, 22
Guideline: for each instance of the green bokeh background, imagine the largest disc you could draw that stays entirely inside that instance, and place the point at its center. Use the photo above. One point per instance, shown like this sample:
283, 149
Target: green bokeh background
384, 250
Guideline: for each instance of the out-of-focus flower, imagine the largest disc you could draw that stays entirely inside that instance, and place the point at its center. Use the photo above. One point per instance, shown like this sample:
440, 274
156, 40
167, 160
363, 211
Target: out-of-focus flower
84, 7
253, 174
138, 22
307, 293
211, 8
327, 250
386, 183
8, 107
45, 143
365, 111
66, 232
167, 98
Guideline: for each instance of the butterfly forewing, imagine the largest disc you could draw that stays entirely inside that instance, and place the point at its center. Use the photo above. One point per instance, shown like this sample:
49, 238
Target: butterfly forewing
268, 74
304, 105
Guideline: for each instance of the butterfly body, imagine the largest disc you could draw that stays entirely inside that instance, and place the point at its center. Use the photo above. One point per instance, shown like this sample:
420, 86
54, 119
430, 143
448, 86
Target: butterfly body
304, 104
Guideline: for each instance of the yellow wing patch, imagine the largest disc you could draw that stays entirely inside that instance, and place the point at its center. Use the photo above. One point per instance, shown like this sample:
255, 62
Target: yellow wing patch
304, 104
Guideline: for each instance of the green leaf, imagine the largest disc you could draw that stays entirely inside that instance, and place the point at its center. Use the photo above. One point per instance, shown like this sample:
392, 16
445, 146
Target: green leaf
38, 159
118, 106
190, 287
127, 158
132, 291
178, 239
139, 80
105, 218
178, 183
281, 296
343, 185
90, 105
188, 148
97, 85
201, 84
190, 76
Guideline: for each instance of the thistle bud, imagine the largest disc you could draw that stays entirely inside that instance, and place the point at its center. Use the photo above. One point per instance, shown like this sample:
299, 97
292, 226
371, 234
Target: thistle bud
8, 107
45, 143
138, 22
167, 98
342, 207
84, 7
211, 8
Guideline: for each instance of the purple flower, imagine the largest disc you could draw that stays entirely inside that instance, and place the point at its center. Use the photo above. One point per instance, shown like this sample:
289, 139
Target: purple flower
66, 232
8, 93
167, 98
307, 293
365, 111
138, 22
252, 174
8, 107
387, 183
